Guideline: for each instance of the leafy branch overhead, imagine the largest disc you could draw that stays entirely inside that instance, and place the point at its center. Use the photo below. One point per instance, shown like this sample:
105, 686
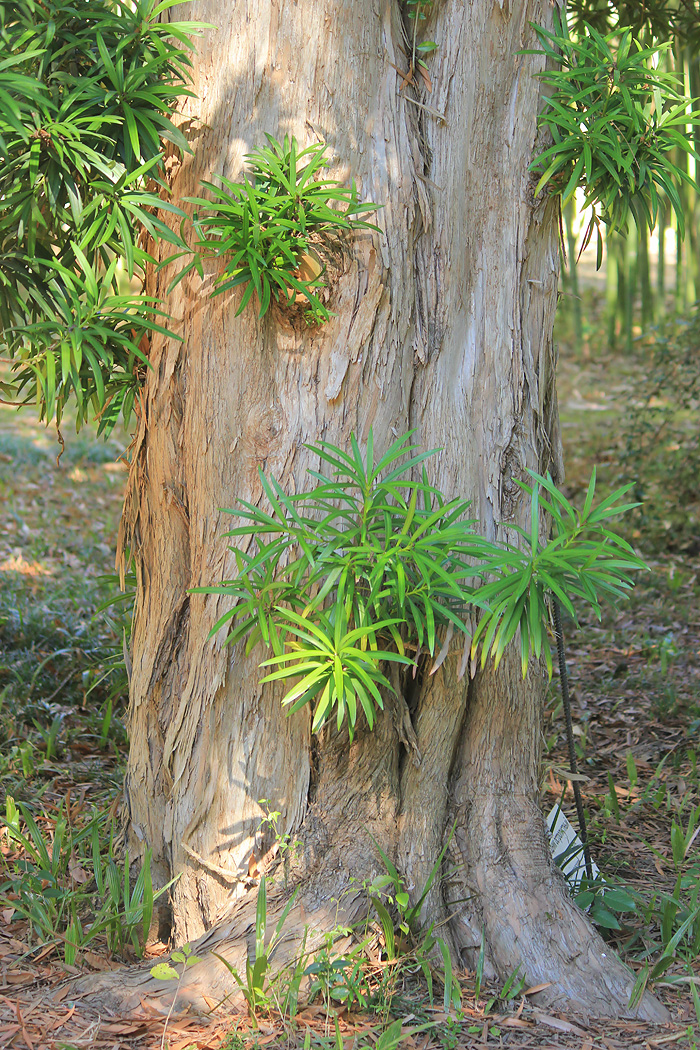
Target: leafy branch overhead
88, 93
270, 228
616, 119
87, 96
371, 566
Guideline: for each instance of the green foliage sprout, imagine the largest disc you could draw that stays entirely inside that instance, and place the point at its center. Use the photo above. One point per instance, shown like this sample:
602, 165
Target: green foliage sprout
419, 11
267, 227
615, 120
368, 568
164, 971
87, 95
366, 560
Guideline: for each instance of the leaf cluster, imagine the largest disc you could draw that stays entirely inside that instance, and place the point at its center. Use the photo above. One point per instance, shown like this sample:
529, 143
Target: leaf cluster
419, 9
269, 229
367, 568
360, 571
615, 120
584, 560
184, 957
91, 87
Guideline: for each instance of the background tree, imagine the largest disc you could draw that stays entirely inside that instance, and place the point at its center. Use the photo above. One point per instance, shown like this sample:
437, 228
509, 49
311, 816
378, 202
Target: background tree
634, 297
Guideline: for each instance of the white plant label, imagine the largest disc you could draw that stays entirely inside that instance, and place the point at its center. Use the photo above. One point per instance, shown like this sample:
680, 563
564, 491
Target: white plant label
567, 846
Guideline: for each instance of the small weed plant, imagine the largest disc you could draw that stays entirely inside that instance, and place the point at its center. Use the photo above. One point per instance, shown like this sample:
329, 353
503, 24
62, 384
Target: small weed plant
184, 958
367, 568
619, 127
69, 888
286, 845
255, 986
406, 940
419, 11
270, 229
366, 976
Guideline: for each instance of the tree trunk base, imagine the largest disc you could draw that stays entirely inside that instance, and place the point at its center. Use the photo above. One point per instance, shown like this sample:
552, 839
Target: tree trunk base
532, 926
529, 924
469, 780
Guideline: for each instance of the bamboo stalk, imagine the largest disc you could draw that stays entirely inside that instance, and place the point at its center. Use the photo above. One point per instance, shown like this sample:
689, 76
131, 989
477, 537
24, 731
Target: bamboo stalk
572, 274
661, 262
630, 289
646, 287
611, 290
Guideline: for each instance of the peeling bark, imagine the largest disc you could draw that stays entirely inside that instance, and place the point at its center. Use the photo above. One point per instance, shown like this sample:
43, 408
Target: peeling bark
444, 324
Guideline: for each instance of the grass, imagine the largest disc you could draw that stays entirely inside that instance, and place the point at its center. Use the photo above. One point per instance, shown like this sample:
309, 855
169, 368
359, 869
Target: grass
62, 739
55, 550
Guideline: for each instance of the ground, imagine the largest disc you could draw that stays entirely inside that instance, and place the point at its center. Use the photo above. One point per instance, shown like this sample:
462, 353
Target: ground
635, 679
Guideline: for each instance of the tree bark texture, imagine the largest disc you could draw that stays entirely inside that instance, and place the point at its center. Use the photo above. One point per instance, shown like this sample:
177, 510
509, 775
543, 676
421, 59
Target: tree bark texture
442, 323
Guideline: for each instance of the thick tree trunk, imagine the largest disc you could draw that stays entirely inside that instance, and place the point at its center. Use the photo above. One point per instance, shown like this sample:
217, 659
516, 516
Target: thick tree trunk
442, 323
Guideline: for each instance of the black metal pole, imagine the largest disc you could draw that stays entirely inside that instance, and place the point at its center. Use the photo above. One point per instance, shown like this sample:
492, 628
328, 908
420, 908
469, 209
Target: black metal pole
564, 682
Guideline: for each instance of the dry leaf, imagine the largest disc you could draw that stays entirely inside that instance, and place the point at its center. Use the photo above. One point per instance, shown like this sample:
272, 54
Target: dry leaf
77, 872
537, 988
445, 647
98, 962
557, 1024
22, 977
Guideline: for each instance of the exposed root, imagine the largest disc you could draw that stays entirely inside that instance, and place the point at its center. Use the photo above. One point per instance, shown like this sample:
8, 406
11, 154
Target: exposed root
513, 891
208, 983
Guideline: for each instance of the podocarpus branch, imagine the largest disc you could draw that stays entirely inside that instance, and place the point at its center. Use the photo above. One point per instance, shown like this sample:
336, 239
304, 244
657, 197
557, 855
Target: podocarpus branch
362, 572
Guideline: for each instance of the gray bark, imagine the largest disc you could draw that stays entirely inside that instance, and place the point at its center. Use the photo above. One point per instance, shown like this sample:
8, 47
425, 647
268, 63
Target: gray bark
443, 323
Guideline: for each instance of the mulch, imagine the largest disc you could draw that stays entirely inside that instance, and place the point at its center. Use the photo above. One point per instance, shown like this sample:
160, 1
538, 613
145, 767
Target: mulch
38, 1011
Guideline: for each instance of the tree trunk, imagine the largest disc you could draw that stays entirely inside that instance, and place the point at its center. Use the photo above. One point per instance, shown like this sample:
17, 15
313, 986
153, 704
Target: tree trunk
442, 323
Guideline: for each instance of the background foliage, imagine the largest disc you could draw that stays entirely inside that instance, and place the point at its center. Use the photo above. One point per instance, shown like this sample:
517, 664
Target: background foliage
639, 292
615, 121
81, 180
